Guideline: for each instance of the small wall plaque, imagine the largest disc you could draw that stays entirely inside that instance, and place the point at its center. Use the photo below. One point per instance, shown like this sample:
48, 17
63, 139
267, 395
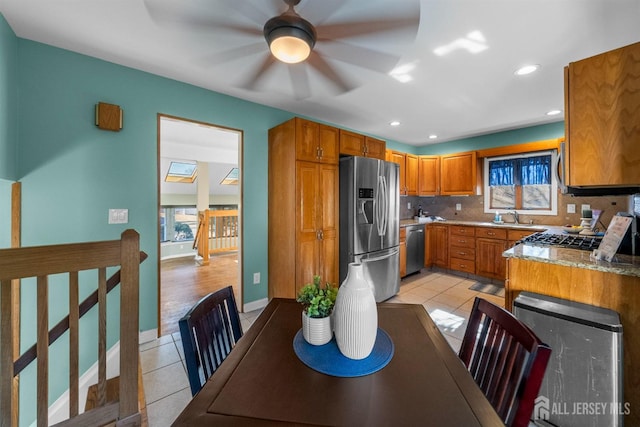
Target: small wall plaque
108, 116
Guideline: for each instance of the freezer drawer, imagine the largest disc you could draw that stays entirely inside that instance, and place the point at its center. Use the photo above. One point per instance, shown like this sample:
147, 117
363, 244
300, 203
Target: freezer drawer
583, 384
383, 269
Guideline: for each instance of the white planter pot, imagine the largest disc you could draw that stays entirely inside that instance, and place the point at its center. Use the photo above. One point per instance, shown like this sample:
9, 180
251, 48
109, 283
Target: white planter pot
355, 315
316, 330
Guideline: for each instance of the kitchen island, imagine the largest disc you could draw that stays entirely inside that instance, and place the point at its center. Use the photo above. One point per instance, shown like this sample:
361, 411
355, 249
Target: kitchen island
572, 275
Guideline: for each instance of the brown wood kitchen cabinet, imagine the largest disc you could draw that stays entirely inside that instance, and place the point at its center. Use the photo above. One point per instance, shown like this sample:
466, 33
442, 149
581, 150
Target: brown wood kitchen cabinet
403, 251
491, 242
316, 142
438, 238
407, 173
462, 248
355, 144
303, 207
602, 110
428, 175
458, 174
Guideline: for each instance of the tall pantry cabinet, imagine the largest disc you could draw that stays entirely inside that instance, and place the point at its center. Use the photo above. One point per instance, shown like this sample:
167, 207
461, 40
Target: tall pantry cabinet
303, 205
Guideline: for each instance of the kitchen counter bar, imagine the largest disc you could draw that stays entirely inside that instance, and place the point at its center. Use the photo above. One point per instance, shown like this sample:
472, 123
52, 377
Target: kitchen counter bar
626, 265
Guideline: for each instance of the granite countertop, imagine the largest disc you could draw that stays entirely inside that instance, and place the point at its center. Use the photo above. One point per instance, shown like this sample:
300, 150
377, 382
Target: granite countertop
626, 265
510, 225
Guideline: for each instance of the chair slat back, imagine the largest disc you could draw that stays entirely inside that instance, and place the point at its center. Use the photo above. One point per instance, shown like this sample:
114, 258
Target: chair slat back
209, 331
506, 359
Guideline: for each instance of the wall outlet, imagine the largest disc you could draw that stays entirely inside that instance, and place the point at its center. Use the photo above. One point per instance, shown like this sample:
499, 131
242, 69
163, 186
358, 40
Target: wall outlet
118, 216
585, 208
256, 278
458, 206
571, 208
408, 205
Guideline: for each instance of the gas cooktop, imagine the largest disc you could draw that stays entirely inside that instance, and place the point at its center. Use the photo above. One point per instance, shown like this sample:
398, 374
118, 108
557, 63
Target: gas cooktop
586, 243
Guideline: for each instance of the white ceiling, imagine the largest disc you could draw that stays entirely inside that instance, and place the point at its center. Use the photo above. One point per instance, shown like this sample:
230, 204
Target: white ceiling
456, 95
192, 142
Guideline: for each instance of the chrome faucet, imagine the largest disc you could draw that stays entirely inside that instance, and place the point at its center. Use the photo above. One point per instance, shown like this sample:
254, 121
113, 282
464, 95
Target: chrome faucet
516, 217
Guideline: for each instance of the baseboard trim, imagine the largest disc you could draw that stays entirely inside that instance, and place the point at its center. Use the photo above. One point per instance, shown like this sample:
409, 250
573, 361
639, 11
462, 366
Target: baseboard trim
256, 305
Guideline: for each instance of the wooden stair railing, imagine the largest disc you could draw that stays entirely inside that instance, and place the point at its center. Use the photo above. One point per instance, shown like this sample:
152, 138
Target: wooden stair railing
41, 262
217, 232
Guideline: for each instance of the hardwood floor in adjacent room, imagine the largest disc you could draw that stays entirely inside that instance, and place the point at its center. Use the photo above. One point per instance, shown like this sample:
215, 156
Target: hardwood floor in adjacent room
184, 282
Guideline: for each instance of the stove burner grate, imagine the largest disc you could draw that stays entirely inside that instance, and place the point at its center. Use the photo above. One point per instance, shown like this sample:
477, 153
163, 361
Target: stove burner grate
587, 243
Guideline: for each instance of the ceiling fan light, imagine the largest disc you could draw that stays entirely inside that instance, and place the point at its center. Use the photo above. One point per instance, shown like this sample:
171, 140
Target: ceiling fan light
290, 49
290, 37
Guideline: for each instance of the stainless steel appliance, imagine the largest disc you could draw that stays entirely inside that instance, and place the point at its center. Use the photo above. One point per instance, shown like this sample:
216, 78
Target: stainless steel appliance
415, 248
369, 221
583, 383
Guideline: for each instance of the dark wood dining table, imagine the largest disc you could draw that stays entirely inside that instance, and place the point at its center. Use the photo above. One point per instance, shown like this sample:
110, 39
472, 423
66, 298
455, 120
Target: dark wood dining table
263, 382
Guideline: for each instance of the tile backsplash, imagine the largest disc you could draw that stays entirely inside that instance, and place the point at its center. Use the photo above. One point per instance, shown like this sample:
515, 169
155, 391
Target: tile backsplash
472, 208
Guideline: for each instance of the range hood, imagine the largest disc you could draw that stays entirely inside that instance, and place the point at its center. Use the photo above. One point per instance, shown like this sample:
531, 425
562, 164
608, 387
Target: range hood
599, 191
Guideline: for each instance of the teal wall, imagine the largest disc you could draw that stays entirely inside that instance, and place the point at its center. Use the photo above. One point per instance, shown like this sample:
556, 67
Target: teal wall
498, 139
8, 101
5, 213
72, 172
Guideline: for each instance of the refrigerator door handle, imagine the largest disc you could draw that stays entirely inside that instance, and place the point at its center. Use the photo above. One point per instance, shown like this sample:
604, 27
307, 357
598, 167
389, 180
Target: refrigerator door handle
382, 207
391, 253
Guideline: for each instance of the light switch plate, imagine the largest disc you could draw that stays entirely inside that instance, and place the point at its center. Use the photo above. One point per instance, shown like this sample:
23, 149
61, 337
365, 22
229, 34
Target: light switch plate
571, 208
458, 206
118, 216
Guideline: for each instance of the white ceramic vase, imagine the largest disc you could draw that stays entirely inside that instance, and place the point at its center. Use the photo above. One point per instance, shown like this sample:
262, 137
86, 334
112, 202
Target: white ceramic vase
316, 330
355, 315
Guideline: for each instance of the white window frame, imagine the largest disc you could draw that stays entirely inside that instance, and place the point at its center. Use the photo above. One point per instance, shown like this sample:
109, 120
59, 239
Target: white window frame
554, 183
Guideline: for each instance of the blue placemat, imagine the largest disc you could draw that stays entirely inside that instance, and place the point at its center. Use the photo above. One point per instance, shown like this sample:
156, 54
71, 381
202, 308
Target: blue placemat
328, 359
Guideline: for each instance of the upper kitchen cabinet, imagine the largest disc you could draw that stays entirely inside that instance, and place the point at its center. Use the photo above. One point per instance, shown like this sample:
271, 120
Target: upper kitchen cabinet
458, 174
303, 206
408, 171
355, 144
602, 119
428, 175
316, 142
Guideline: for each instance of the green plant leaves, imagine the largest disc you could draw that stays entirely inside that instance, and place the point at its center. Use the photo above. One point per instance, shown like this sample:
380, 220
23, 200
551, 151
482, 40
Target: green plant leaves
316, 301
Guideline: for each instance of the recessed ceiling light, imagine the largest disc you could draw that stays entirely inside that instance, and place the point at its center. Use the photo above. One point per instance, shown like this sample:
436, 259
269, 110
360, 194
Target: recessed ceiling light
553, 112
432, 136
394, 123
527, 69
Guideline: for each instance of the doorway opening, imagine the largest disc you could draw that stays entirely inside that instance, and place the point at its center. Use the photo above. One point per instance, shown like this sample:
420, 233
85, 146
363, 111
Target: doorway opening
199, 215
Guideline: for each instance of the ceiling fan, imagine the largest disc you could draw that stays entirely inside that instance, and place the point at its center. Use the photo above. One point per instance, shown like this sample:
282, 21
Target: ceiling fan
294, 42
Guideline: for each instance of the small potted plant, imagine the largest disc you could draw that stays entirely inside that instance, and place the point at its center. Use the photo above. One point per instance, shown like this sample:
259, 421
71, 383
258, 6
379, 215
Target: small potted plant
317, 303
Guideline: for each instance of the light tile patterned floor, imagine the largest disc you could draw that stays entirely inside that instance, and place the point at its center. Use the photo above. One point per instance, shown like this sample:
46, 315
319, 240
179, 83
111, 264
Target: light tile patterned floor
446, 298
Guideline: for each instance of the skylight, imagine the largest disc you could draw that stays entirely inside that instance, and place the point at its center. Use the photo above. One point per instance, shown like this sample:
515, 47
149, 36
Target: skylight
181, 172
231, 178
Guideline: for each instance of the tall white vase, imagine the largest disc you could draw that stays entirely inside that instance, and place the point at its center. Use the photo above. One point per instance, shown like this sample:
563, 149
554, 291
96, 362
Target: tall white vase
355, 315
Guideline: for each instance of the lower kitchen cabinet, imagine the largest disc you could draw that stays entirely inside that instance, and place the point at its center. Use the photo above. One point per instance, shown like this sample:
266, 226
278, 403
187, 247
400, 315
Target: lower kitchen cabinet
462, 245
439, 245
490, 244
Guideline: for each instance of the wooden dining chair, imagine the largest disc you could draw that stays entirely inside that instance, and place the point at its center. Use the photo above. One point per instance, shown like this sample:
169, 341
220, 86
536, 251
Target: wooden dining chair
506, 359
209, 331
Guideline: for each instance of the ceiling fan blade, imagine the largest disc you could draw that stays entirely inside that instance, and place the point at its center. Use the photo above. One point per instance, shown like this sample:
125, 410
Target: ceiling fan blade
352, 29
258, 74
357, 55
178, 15
233, 54
245, 8
299, 80
318, 62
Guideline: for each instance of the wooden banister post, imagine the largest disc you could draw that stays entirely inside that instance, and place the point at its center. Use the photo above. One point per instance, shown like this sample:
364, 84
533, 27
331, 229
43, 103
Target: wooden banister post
129, 322
8, 399
204, 239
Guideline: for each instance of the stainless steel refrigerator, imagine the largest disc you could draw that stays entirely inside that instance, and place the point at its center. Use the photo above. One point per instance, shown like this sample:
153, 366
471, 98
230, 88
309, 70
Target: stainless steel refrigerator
369, 221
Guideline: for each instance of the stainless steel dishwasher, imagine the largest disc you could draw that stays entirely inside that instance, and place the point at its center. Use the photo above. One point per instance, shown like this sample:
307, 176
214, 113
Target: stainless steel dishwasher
415, 248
